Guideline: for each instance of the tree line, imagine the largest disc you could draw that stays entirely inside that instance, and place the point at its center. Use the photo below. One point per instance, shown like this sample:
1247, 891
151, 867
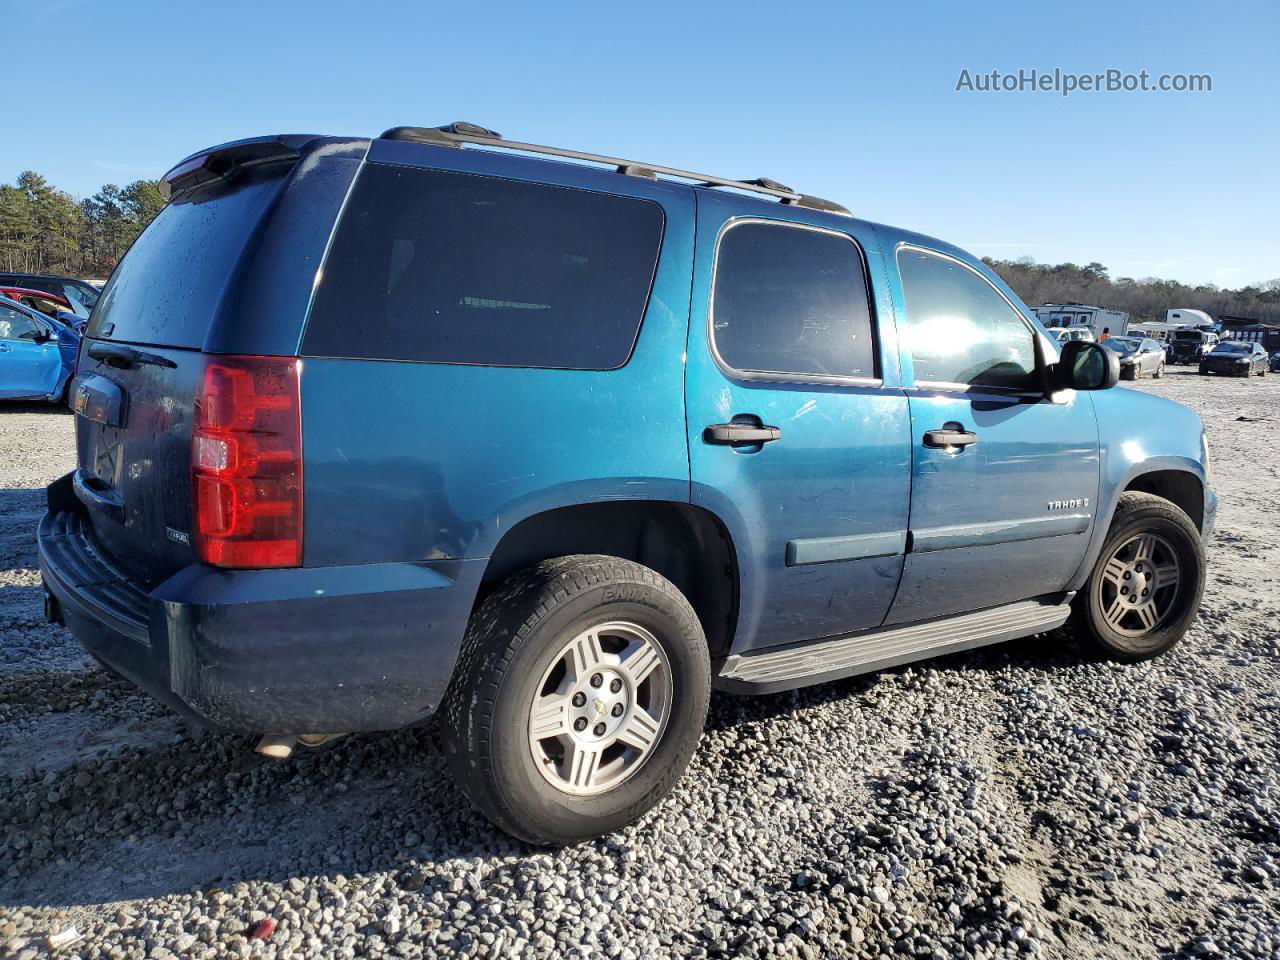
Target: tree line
1145, 299
46, 230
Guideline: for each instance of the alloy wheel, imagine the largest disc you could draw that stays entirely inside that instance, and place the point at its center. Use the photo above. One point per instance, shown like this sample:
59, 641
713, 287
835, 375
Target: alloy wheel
1139, 584
600, 709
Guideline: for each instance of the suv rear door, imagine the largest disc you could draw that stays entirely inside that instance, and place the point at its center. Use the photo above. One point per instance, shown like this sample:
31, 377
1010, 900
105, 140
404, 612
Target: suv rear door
786, 337
1004, 480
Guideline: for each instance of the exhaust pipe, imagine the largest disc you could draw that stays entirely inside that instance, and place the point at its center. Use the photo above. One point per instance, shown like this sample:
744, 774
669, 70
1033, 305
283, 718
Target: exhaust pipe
279, 746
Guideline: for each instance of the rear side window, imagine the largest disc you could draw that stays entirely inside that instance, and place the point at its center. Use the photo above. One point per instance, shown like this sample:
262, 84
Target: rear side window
791, 301
457, 268
961, 330
169, 285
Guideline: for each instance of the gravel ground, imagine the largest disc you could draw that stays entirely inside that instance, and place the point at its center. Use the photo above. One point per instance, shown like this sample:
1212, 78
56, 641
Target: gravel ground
1025, 800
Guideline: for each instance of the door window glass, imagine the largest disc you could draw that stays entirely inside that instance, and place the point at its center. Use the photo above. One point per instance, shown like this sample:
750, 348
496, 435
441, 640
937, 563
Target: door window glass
792, 301
17, 326
960, 329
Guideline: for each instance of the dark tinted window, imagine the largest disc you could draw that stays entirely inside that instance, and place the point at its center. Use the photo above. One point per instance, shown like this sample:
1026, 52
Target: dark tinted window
457, 268
790, 300
959, 328
168, 287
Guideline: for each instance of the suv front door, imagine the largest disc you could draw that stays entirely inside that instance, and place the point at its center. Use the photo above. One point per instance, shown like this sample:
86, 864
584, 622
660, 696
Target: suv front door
1004, 480
798, 428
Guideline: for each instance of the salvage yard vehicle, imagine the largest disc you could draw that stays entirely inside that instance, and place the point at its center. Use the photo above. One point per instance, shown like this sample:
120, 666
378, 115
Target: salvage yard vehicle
376, 429
1139, 356
1239, 358
37, 354
1067, 334
1190, 345
81, 294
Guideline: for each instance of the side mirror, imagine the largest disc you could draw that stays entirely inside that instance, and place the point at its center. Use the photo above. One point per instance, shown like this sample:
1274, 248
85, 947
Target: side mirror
1086, 366
42, 336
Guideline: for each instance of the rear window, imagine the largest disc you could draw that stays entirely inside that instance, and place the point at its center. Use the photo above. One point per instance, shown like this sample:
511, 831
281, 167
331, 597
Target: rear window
168, 286
457, 268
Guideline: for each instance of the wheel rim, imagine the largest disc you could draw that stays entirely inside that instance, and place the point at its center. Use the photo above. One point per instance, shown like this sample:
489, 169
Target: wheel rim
1139, 585
600, 709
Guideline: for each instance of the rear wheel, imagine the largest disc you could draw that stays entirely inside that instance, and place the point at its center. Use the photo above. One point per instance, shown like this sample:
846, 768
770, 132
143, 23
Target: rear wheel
1160, 370
578, 699
1146, 586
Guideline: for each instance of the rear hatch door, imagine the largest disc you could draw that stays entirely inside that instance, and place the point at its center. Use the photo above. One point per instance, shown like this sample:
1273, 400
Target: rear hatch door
141, 362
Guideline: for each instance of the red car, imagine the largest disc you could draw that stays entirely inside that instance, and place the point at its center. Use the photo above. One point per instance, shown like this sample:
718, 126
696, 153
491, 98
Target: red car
47, 303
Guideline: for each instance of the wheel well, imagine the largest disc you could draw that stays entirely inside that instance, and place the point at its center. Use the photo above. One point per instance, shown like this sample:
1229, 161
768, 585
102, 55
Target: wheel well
1180, 488
685, 544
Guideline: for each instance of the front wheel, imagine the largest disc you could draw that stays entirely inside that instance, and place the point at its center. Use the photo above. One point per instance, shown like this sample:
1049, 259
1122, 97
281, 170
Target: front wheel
1145, 588
578, 699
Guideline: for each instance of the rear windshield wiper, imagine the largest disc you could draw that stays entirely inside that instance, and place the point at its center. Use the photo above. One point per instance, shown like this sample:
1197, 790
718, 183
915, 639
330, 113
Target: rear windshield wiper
122, 357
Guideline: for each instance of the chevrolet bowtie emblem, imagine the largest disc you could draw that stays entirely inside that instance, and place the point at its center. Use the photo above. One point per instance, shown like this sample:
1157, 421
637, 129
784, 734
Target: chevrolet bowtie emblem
599, 705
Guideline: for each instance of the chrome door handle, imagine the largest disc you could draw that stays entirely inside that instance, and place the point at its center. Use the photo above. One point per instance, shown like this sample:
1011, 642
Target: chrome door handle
947, 438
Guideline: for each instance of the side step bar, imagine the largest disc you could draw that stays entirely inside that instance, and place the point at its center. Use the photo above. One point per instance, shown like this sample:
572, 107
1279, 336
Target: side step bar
817, 661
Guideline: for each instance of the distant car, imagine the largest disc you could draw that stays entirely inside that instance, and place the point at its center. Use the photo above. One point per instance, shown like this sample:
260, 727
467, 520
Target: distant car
1138, 356
37, 354
1237, 358
1067, 334
1190, 345
1274, 364
47, 303
80, 295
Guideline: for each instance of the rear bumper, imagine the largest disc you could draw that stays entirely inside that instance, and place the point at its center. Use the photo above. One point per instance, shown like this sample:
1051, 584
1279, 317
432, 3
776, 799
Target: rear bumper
305, 650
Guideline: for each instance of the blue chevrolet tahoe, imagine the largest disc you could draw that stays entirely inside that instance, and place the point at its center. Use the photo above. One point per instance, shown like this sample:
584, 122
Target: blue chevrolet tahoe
549, 444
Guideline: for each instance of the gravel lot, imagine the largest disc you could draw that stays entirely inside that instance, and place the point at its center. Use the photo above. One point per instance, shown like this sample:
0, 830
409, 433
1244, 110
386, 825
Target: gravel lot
1025, 800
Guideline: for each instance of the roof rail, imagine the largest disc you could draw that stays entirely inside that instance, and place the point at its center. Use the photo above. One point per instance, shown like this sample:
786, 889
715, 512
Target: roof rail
456, 134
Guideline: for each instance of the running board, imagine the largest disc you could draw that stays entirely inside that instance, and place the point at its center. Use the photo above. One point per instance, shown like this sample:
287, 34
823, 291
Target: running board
816, 661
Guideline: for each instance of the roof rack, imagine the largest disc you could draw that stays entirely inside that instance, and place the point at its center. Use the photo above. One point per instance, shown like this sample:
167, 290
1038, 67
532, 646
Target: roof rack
456, 134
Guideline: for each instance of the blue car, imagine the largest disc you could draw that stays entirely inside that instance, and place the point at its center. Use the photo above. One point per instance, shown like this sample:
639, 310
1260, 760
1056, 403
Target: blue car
37, 353
371, 430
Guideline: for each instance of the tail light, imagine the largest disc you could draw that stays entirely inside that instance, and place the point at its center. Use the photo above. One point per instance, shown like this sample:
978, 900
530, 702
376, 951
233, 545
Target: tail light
246, 461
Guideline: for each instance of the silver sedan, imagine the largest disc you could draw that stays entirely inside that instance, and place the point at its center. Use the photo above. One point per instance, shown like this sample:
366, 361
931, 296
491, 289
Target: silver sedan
1139, 356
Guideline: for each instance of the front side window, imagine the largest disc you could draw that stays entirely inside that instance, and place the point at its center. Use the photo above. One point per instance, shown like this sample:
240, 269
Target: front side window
458, 268
791, 301
17, 326
960, 329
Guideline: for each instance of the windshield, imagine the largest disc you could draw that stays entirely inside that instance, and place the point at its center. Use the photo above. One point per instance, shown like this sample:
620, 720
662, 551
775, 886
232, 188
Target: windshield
1231, 348
1121, 345
81, 293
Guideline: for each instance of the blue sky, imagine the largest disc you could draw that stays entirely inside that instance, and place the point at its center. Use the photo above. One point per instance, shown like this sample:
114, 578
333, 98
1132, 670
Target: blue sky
850, 100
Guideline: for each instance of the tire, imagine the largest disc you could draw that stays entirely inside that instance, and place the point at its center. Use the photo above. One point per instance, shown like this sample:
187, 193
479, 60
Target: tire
1172, 607
1160, 371
523, 646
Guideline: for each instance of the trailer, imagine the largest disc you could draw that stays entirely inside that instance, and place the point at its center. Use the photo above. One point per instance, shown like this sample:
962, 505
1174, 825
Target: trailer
1097, 319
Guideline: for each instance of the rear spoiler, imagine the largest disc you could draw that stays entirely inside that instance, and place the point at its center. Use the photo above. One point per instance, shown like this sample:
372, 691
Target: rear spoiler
217, 163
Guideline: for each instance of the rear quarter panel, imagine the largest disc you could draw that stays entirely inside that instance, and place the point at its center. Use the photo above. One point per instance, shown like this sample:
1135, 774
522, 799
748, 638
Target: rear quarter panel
409, 461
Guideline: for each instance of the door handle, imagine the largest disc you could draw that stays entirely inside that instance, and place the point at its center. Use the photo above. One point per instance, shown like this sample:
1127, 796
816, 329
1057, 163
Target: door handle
740, 433
5, 348
946, 438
